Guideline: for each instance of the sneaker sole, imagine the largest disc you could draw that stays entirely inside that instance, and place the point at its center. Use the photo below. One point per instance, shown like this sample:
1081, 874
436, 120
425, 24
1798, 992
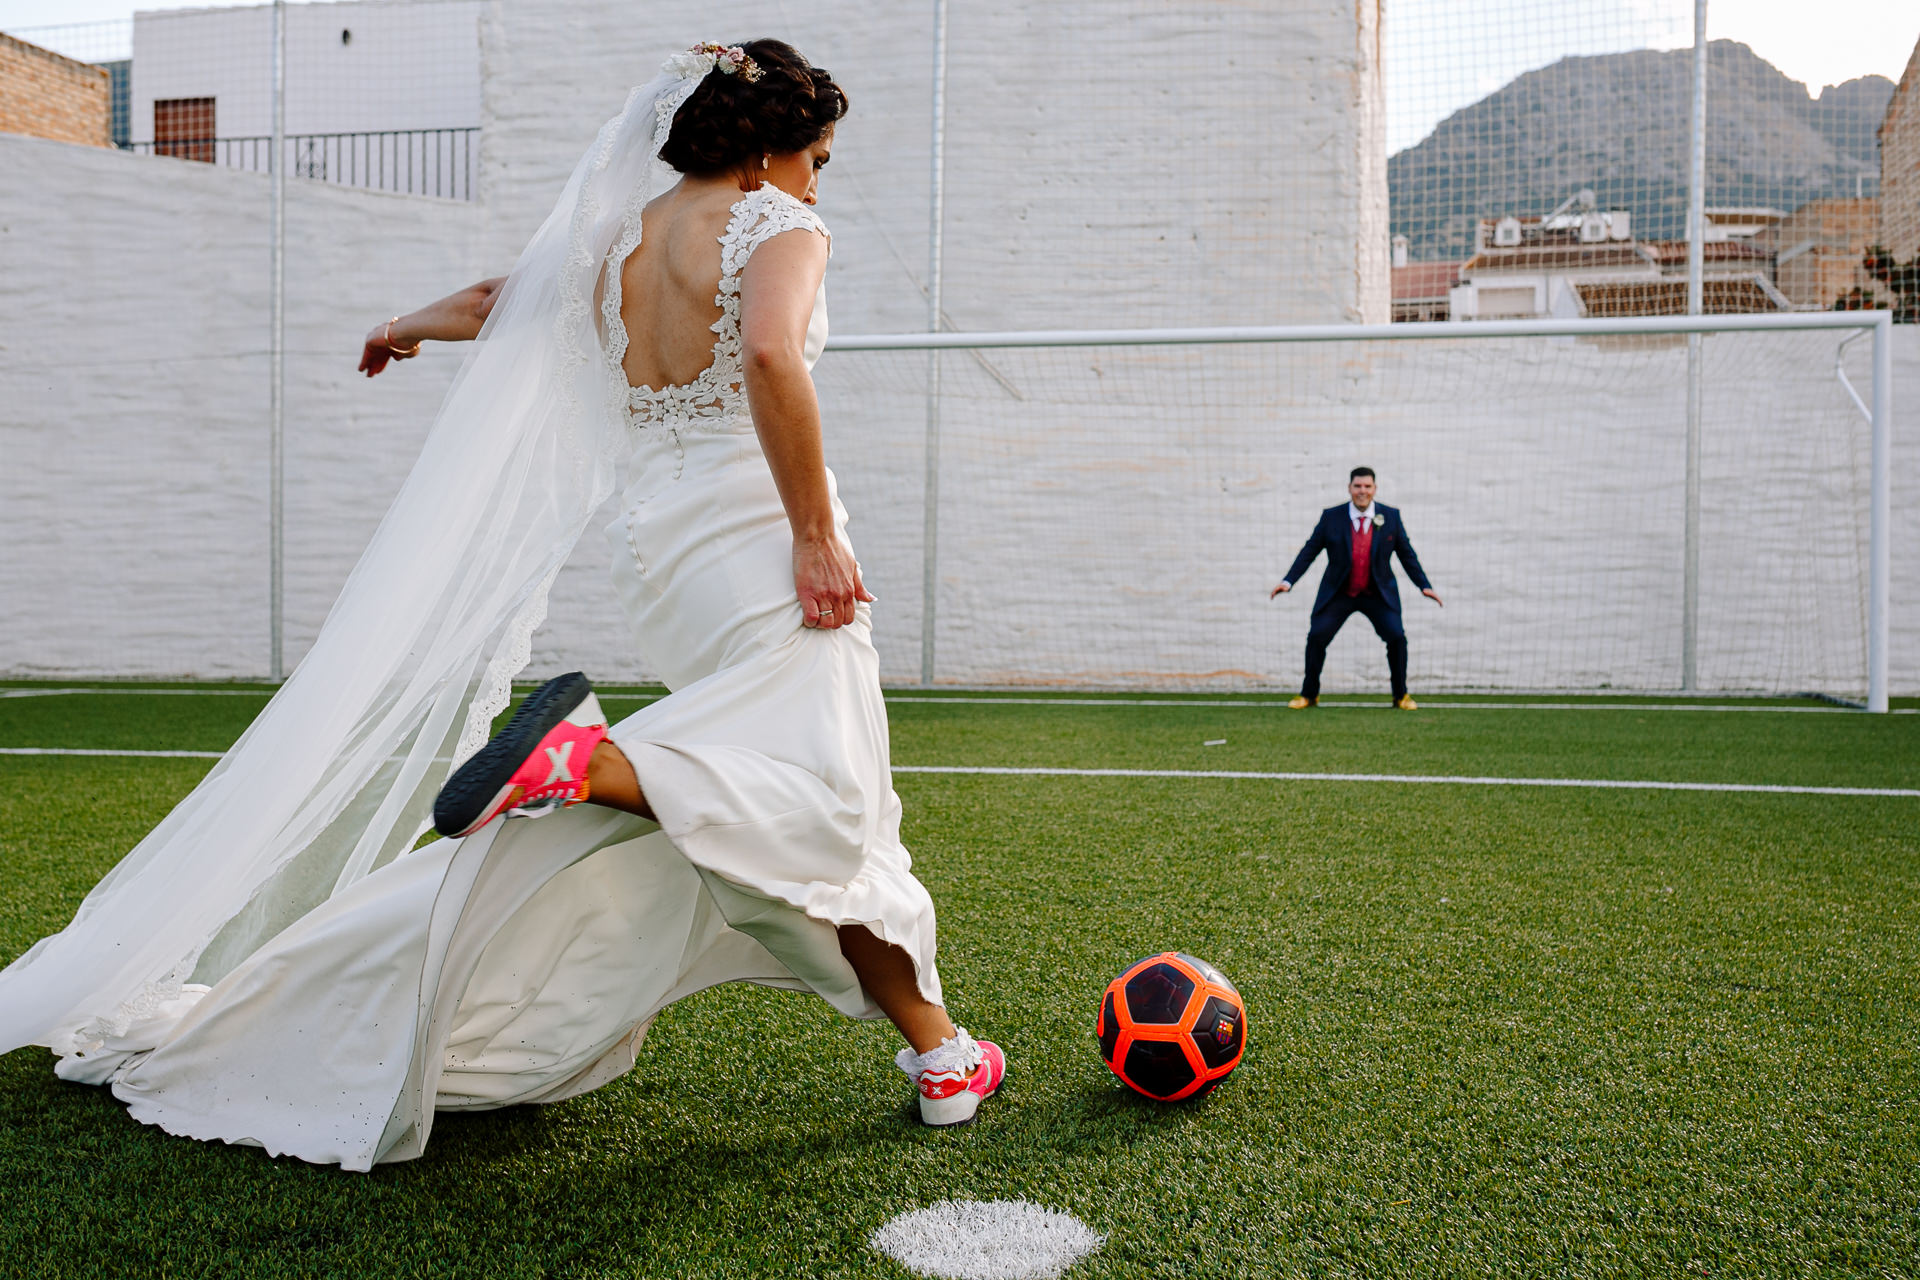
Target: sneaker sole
477, 788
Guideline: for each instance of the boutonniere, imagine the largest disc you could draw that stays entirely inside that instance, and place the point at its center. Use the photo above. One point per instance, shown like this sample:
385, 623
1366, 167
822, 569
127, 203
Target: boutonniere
1379, 521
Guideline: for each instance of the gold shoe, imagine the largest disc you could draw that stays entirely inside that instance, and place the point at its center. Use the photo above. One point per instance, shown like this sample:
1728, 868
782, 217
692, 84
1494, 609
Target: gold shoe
1405, 703
1303, 702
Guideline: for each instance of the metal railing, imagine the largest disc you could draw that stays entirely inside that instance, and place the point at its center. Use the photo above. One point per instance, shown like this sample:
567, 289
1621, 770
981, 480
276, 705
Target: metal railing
422, 162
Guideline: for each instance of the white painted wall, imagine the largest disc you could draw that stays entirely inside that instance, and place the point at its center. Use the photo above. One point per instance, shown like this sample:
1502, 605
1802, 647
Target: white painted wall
407, 66
1107, 165
1138, 164
133, 403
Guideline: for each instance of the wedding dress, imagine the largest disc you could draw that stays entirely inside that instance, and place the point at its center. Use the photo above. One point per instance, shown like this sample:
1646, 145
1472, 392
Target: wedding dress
361, 987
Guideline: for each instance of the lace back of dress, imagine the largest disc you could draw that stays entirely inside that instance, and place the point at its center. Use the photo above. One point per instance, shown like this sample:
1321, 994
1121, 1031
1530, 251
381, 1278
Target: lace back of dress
718, 393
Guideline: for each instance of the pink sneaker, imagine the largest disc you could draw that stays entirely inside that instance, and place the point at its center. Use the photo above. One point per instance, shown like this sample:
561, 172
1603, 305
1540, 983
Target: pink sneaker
535, 766
955, 1078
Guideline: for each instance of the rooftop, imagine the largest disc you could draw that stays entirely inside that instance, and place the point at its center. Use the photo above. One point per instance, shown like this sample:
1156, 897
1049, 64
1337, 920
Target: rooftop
1722, 297
29, 49
1424, 281
1667, 252
1551, 257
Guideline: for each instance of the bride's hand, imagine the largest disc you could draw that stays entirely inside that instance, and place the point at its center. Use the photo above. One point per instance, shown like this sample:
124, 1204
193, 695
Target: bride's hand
458, 317
381, 348
827, 579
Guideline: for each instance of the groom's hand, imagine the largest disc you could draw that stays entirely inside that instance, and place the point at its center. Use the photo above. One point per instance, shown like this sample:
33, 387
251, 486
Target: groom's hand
1279, 590
1433, 595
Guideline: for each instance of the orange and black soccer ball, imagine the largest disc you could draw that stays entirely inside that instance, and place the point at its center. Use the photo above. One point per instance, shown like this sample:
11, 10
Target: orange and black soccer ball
1172, 1027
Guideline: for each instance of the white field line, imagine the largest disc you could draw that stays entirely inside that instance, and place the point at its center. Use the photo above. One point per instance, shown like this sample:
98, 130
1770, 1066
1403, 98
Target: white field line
1268, 704
145, 693
1384, 706
104, 751
1245, 775
1605, 784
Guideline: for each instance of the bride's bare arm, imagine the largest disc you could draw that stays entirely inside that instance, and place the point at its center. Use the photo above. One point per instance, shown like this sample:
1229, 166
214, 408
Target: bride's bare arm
776, 300
454, 318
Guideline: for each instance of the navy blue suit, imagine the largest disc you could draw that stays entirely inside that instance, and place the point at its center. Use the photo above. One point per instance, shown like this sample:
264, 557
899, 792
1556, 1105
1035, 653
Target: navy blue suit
1380, 601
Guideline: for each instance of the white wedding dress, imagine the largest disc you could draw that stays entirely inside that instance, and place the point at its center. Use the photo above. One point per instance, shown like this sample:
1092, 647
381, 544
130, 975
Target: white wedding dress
525, 962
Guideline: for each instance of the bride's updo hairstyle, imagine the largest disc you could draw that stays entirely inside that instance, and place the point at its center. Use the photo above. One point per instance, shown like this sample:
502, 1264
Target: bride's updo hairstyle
730, 122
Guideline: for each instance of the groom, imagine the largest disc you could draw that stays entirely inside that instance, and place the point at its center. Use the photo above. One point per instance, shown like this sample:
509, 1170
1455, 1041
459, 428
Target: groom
1359, 537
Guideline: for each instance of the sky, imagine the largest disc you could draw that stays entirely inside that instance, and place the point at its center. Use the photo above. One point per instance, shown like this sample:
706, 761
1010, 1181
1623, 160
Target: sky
1444, 54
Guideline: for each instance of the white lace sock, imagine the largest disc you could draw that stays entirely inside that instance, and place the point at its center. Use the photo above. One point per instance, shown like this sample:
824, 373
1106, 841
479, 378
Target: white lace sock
959, 1052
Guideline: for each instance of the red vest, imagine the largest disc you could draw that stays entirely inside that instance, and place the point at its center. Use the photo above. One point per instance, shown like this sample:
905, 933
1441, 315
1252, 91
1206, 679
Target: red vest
1361, 576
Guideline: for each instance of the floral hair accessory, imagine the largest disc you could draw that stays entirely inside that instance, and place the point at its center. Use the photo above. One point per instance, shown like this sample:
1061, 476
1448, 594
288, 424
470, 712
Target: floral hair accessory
702, 58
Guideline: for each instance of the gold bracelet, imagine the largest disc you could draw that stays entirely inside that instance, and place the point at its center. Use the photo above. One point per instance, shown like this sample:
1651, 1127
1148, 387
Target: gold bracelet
414, 350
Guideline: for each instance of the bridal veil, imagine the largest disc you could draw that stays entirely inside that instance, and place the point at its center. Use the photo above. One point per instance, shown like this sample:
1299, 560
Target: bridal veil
335, 778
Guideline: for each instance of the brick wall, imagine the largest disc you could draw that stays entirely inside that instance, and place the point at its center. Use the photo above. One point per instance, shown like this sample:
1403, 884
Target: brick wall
44, 95
1900, 166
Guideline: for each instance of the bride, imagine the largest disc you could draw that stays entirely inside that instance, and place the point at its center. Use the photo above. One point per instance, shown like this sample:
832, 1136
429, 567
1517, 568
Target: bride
277, 964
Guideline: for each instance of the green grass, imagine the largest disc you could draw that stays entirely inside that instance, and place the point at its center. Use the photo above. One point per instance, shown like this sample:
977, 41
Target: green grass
1494, 1031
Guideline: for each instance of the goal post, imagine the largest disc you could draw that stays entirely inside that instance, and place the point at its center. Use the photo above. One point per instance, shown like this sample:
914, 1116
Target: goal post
1113, 504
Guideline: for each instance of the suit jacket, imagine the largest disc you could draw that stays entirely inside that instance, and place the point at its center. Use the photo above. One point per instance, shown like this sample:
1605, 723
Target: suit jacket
1334, 535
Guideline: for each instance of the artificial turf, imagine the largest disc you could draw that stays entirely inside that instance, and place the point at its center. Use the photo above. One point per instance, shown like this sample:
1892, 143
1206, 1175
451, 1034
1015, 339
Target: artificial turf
1493, 1030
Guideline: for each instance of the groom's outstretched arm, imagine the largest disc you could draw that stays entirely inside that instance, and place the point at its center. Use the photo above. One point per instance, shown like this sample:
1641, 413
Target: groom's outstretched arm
1316, 543
1403, 545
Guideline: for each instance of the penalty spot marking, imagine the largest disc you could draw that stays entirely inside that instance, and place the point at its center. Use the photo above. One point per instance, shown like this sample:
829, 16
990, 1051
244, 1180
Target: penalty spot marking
1620, 784
986, 1240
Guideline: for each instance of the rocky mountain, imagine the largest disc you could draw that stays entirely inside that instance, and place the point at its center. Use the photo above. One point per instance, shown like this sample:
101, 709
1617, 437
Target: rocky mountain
1617, 124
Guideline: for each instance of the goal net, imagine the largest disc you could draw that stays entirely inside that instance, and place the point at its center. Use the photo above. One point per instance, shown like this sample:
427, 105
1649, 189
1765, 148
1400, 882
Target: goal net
1116, 515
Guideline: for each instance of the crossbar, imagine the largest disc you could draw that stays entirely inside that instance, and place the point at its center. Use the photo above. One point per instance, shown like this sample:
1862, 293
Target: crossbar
1424, 330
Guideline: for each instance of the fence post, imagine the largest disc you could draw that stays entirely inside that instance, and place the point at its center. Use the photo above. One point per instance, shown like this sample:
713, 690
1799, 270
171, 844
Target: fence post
936, 218
1880, 516
277, 353
1696, 298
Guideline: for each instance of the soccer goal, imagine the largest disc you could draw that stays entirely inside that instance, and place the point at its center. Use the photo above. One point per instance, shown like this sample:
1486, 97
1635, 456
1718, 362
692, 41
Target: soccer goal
1688, 504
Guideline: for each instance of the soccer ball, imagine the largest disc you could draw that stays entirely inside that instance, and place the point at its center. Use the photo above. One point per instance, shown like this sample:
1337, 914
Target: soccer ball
1172, 1027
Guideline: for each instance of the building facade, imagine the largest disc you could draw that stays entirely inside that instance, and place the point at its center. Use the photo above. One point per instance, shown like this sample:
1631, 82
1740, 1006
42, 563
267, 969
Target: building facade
1900, 166
377, 95
1819, 247
1571, 264
351, 68
45, 95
